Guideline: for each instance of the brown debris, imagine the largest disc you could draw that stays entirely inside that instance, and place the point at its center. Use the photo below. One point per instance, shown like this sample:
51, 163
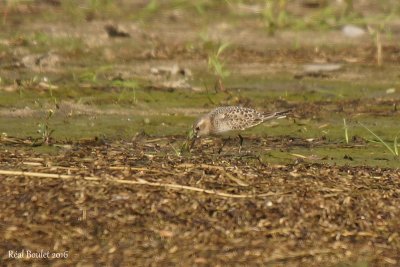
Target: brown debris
144, 205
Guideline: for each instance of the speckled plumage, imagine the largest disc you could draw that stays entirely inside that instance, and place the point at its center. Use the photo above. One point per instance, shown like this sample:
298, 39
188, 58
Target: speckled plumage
232, 118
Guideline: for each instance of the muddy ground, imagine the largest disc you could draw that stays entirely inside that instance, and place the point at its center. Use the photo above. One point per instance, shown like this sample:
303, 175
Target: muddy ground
96, 100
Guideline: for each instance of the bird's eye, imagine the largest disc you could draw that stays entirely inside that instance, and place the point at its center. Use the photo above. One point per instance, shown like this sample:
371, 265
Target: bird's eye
197, 128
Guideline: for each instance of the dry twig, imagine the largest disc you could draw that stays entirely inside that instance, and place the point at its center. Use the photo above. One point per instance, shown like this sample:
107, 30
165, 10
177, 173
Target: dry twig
138, 182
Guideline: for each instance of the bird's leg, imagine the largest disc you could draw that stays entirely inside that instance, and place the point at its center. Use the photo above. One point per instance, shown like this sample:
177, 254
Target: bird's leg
224, 141
240, 142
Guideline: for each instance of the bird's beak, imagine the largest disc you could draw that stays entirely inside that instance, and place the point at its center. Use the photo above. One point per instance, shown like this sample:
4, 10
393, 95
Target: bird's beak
196, 134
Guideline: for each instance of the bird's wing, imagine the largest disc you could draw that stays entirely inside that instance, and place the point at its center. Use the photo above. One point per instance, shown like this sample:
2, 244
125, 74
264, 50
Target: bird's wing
238, 119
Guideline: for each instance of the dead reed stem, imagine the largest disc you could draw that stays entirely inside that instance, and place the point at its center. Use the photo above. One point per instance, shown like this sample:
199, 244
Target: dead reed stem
138, 181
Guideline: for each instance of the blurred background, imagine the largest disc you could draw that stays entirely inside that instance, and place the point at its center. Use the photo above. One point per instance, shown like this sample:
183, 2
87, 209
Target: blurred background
116, 68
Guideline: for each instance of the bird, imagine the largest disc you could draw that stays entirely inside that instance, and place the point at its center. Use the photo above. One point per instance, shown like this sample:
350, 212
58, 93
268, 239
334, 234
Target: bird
231, 118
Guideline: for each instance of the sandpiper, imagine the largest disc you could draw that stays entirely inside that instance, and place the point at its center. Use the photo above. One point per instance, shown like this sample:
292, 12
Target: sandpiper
232, 118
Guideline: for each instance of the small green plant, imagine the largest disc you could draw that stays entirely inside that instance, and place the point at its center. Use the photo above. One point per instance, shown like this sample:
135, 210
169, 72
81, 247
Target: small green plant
394, 150
189, 142
44, 129
26, 84
217, 66
89, 76
177, 151
129, 90
273, 19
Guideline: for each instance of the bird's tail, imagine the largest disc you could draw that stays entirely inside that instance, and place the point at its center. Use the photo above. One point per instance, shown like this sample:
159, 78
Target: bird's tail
276, 115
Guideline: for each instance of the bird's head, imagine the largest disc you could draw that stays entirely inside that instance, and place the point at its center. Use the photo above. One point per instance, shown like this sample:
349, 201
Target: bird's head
202, 127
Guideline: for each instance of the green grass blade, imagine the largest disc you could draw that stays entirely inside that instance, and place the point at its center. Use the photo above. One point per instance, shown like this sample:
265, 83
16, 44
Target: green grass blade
222, 47
380, 139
